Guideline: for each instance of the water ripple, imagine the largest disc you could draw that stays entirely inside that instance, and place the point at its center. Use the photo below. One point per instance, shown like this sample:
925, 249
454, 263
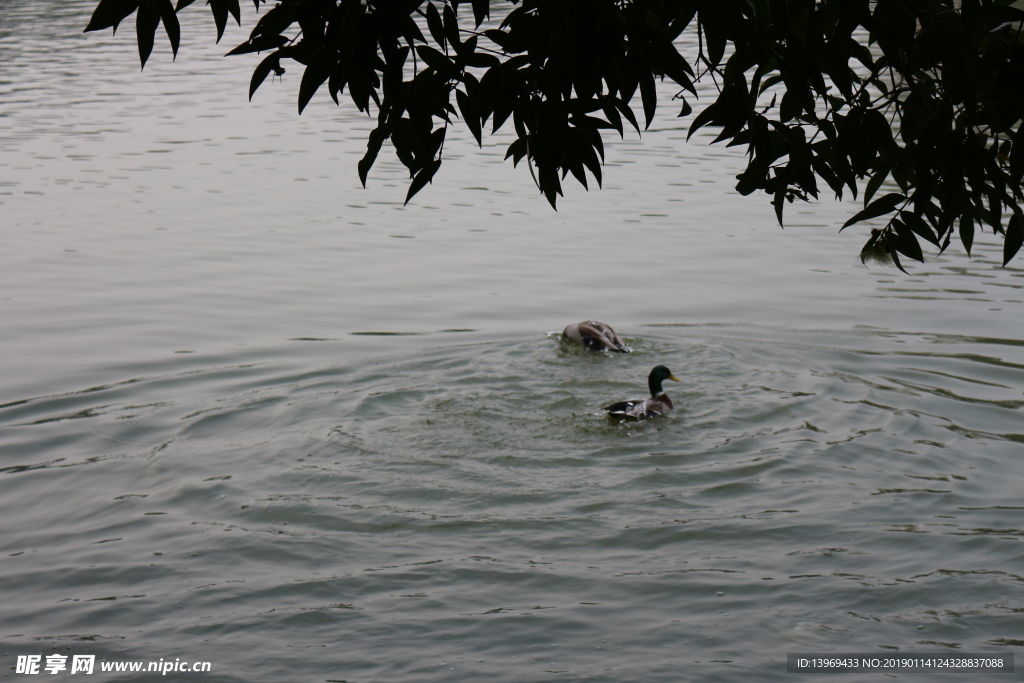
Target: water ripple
483, 480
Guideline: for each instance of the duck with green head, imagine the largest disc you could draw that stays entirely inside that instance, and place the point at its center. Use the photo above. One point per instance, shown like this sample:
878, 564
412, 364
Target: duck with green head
645, 408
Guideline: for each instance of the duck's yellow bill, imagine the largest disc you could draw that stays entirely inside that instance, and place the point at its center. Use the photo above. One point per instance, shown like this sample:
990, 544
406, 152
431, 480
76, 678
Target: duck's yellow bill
673, 377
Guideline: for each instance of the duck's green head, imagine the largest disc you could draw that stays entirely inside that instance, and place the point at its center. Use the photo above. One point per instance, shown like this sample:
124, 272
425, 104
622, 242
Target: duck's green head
658, 375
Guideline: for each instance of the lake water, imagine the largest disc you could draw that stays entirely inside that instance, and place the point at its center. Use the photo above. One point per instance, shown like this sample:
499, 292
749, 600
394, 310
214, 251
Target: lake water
255, 415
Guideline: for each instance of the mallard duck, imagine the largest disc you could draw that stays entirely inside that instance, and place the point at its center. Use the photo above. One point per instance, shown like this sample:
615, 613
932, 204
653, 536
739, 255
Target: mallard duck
645, 408
595, 336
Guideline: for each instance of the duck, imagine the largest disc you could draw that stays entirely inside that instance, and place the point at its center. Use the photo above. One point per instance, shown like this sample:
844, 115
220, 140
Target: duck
595, 336
645, 408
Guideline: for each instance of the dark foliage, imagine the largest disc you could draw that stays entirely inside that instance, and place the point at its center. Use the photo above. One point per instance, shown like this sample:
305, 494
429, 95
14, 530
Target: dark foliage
925, 97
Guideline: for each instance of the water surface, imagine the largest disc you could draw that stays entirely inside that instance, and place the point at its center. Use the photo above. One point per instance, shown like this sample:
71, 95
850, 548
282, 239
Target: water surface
256, 415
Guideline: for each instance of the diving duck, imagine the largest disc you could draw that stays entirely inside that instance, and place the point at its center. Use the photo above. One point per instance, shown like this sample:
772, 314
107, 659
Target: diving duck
645, 408
595, 336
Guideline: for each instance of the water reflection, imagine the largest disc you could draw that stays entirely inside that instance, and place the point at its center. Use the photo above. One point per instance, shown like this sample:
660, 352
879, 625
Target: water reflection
493, 475
251, 406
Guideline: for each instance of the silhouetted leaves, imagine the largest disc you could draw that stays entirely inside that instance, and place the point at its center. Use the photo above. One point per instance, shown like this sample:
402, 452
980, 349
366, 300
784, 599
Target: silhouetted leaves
313, 77
1014, 237
879, 207
271, 62
904, 241
259, 44
150, 14
422, 177
171, 26
146, 22
921, 101
967, 233
919, 227
220, 9
110, 13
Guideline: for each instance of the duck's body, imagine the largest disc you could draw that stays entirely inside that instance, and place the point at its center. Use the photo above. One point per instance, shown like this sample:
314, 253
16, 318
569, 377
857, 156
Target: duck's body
595, 336
645, 408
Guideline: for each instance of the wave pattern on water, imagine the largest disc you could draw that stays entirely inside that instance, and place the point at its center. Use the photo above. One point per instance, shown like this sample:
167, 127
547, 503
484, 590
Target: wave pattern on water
466, 510
185, 473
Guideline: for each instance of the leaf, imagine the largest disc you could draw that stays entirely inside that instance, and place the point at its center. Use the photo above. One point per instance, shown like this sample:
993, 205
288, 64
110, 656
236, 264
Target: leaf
676, 67
336, 83
503, 107
146, 23
822, 168
895, 258
422, 177
780, 17
919, 226
516, 150
220, 9
435, 24
590, 158
1006, 14
171, 25
1016, 154
945, 243
749, 180
649, 95
451, 26
769, 82
271, 62
1014, 237
482, 60
574, 164
259, 44
967, 232
906, 242
712, 19
441, 64
470, 115
876, 208
236, 11
790, 107
275, 21
466, 50
550, 186
703, 118
481, 10
312, 78
612, 114
429, 145
110, 13
779, 200
685, 111
628, 113
404, 140
875, 182
373, 144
